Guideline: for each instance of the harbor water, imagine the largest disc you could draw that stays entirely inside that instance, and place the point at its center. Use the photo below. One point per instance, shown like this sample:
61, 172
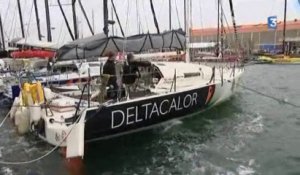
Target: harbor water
249, 134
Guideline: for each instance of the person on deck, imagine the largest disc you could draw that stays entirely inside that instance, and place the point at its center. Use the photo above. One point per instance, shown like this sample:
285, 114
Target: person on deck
110, 69
131, 73
131, 70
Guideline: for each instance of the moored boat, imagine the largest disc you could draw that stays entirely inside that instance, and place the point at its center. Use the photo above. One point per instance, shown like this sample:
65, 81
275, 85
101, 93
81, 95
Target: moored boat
179, 90
32, 53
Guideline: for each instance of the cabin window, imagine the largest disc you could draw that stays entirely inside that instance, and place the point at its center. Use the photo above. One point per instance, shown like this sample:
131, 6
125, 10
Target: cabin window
65, 69
191, 74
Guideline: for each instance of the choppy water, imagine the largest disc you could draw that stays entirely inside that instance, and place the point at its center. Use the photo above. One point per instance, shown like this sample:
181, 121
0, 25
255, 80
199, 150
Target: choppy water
247, 135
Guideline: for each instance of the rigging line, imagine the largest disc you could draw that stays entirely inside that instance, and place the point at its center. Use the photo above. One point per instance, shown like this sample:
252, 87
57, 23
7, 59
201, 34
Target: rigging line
141, 27
201, 15
228, 27
233, 22
27, 33
12, 25
60, 32
117, 16
154, 16
6, 13
126, 26
143, 6
268, 96
178, 18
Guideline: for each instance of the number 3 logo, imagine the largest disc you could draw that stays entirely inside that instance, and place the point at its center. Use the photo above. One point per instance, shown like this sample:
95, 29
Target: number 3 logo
272, 22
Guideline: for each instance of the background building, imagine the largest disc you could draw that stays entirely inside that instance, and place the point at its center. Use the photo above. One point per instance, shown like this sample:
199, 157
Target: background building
254, 36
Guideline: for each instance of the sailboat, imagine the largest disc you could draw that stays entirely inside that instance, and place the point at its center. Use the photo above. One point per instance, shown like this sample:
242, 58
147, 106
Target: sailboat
290, 48
167, 91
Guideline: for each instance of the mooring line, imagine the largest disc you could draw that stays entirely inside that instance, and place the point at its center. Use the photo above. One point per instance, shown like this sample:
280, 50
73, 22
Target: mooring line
268, 96
45, 155
4, 119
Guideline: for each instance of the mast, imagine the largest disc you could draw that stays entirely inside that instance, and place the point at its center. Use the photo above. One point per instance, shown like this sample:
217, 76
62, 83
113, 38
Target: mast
284, 29
37, 20
137, 17
93, 20
222, 29
74, 19
112, 18
154, 16
170, 15
21, 18
218, 30
49, 36
184, 9
105, 17
2, 35
187, 30
86, 18
65, 19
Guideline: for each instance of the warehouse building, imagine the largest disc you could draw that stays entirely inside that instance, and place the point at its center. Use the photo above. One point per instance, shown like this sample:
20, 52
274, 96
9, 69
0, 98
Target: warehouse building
252, 37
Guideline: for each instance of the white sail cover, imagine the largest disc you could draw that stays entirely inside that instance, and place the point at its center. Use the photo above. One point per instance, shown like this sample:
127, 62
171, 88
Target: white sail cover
99, 45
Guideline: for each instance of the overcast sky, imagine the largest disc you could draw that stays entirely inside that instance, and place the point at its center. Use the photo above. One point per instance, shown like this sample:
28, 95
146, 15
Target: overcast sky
204, 15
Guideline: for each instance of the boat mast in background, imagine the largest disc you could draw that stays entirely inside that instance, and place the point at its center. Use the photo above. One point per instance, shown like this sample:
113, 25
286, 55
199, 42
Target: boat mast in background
170, 15
2, 43
222, 29
37, 19
86, 18
65, 19
184, 12
74, 19
105, 17
187, 30
112, 18
49, 36
218, 29
21, 18
284, 29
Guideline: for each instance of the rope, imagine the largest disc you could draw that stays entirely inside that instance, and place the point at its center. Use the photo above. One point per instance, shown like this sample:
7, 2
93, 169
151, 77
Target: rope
233, 22
145, 16
5, 19
268, 96
13, 23
4, 119
178, 19
26, 37
45, 155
